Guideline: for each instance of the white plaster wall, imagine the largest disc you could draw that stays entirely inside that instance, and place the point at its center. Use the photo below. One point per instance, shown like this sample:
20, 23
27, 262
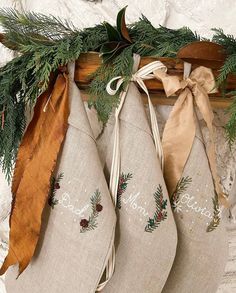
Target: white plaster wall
199, 15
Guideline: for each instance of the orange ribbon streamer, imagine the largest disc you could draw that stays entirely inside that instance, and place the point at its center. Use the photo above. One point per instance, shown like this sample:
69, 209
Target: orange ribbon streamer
180, 128
36, 161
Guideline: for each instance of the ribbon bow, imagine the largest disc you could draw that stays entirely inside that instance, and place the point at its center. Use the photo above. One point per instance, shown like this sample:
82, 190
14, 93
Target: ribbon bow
138, 76
180, 129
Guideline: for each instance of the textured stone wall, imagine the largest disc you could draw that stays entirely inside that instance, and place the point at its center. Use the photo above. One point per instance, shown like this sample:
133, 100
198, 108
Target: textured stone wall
199, 15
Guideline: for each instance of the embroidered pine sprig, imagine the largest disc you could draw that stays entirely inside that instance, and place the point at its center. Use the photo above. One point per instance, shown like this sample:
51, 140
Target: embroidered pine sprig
181, 187
91, 222
216, 216
55, 185
160, 213
122, 185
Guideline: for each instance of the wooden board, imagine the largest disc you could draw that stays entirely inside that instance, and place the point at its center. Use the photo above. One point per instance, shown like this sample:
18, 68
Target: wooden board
88, 63
161, 99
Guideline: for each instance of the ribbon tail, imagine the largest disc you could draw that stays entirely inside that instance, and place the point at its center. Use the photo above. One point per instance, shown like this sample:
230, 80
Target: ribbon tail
29, 141
203, 104
31, 188
178, 137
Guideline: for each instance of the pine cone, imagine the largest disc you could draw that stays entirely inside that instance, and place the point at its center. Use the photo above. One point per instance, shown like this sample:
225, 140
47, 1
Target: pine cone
57, 186
84, 223
99, 207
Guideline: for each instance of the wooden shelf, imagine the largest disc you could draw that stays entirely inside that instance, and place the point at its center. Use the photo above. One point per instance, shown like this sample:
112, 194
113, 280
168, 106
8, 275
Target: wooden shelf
161, 99
88, 63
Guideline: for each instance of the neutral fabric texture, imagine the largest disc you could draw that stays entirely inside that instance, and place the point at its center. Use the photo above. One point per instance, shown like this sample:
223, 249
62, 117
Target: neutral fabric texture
33, 170
77, 233
143, 258
180, 128
201, 256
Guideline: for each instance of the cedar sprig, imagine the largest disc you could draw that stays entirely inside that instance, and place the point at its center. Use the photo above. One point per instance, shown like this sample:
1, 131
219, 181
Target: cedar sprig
99, 98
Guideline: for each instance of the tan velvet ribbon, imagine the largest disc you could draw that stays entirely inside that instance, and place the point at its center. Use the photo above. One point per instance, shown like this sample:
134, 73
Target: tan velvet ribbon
36, 161
180, 128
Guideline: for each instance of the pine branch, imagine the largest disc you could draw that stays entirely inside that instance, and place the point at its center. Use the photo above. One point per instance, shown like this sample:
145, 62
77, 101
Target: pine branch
160, 213
34, 24
181, 187
122, 186
161, 42
228, 67
231, 124
216, 216
227, 41
54, 186
91, 223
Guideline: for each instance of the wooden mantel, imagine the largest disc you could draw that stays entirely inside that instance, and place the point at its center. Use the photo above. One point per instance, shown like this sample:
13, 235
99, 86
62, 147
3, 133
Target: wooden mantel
87, 64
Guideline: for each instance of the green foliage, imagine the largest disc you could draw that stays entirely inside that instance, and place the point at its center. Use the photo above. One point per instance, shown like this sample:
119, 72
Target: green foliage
216, 216
34, 26
47, 42
92, 220
99, 98
181, 187
25, 77
229, 44
231, 124
118, 38
122, 185
159, 42
227, 41
93, 38
54, 185
160, 213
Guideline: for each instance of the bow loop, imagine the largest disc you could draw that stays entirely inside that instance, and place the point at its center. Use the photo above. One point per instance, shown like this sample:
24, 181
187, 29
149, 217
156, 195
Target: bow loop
204, 77
119, 83
180, 129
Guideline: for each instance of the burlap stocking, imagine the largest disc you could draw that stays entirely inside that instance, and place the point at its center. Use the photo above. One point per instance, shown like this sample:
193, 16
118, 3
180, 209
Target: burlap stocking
201, 256
78, 222
146, 233
194, 187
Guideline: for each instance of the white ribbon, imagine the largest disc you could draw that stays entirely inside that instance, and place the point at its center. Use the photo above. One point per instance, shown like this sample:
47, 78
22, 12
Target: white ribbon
139, 76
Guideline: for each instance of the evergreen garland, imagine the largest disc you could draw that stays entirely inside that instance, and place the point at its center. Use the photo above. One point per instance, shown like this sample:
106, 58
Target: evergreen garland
47, 42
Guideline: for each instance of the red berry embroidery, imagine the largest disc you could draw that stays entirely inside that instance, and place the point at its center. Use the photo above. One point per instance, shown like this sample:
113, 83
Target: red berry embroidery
160, 213
122, 185
96, 206
84, 223
57, 186
99, 207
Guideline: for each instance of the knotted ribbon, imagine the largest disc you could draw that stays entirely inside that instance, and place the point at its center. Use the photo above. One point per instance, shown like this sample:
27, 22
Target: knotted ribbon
180, 128
35, 163
138, 76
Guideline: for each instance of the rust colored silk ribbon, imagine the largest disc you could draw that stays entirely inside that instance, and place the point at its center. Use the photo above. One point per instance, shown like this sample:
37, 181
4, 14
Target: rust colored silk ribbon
35, 163
180, 128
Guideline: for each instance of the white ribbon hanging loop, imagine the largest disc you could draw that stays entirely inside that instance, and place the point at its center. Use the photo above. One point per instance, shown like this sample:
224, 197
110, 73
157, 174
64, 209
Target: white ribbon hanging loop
139, 76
